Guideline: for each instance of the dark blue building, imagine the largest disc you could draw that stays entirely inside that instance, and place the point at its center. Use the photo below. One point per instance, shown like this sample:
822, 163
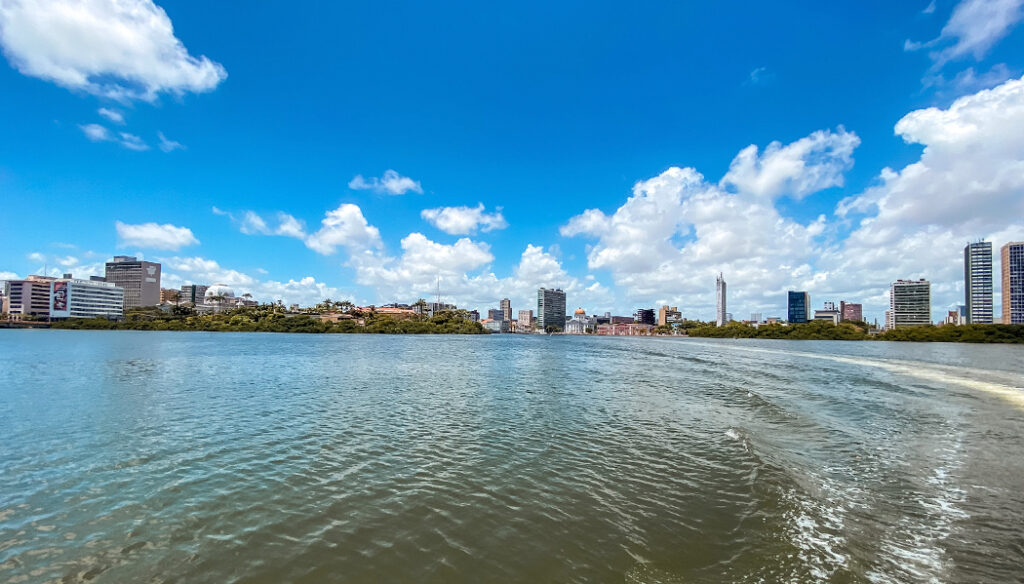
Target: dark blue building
799, 307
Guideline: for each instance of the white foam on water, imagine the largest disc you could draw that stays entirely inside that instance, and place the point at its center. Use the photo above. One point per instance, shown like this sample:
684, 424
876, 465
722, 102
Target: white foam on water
925, 371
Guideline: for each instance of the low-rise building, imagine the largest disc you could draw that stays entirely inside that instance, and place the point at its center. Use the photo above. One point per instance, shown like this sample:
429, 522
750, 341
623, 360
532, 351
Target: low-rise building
827, 315
668, 315
631, 329
73, 298
29, 297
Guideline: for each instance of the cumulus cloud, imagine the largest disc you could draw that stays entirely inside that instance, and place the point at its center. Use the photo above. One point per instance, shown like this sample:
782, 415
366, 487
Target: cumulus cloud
305, 291
155, 236
112, 115
120, 49
344, 227
677, 231
464, 220
391, 183
806, 166
974, 27
968, 183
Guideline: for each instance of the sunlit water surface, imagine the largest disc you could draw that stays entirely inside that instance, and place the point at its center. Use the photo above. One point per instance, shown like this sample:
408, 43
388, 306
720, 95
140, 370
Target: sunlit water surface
217, 457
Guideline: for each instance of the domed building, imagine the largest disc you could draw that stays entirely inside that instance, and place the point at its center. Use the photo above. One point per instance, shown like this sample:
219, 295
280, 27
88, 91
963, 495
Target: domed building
219, 293
577, 325
221, 297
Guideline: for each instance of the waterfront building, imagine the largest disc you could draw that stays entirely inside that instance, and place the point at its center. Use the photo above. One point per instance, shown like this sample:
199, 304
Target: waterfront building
644, 316
621, 320
799, 307
496, 326
474, 315
71, 298
755, 317
978, 282
525, 319
140, 280
28, 297
1012, 255
220, 297
506, 309
851, 311
192, 294
550, 308
830, 315
910, 303
577, 325
668, 315
720, 313
631, 329
495, 314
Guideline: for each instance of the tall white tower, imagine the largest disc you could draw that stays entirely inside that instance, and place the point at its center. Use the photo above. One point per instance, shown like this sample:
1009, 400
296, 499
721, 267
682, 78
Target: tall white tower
720, 293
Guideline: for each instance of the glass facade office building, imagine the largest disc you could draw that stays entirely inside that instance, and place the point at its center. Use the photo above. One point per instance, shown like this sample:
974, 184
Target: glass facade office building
799, 307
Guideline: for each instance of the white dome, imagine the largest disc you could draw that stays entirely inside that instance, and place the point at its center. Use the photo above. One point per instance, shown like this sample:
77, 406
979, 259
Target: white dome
220, 290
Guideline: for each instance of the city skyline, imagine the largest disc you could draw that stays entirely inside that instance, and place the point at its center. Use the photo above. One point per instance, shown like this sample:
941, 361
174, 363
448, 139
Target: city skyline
373, 193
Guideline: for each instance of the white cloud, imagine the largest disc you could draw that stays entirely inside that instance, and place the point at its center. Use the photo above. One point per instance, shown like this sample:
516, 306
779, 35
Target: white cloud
974, 27
344, 227
120, 49
305, 291
391, 183
4, 276
154, 236
113, 115
464, 220
198, 270
968, 183
167, 145
132, 142
806, 166
671, 238
253, 224
96, 132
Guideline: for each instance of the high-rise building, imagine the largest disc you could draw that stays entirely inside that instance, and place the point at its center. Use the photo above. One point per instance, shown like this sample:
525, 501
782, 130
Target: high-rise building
851, 311
669, 315
525, 318
550, 308
73, 298
910, 303
978, 282
192, 294
644, 316
495, 314
1012, 255
139, 279
720, 313
799, 307
756, 317
28, 297
506, 309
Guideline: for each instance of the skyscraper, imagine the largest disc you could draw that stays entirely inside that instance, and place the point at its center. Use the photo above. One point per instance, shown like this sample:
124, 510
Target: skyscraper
1012, 255
720, 318
551, 308
978, 282
139, 279
506, 309
799, 307
910, 303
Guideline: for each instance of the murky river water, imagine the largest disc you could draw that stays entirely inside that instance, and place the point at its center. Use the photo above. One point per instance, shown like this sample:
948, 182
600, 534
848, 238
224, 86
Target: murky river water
213, 457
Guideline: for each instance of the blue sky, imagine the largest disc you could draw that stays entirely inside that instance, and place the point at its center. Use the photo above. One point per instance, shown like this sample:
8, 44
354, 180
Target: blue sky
217, 137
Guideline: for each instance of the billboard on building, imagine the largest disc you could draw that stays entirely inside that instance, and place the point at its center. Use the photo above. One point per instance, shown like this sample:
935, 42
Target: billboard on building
60, 296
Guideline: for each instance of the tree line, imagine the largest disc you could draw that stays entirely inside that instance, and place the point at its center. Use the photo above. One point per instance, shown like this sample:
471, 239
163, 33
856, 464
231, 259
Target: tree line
272, 318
